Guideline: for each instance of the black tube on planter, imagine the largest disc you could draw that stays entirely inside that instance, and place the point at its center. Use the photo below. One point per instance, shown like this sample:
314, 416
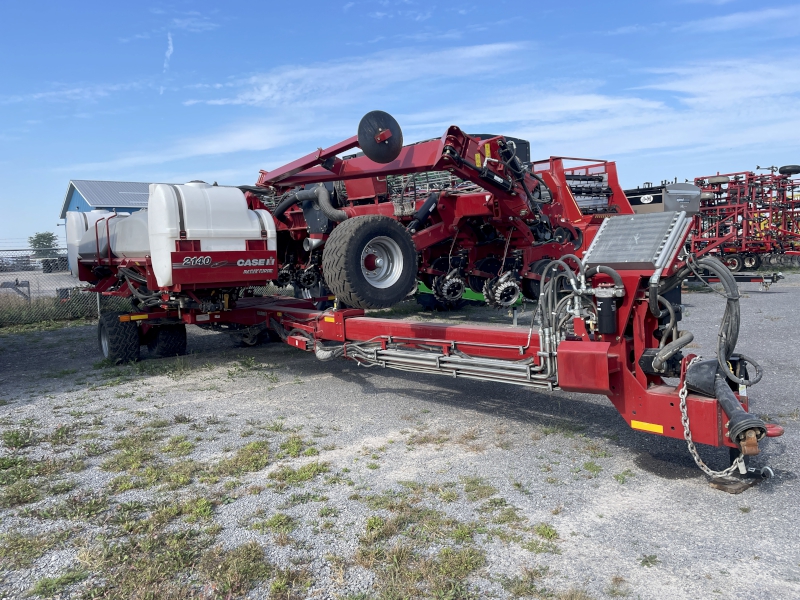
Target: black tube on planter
421, 216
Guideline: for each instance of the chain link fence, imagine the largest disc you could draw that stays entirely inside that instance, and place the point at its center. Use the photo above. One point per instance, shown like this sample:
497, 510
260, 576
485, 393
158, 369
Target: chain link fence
36, 286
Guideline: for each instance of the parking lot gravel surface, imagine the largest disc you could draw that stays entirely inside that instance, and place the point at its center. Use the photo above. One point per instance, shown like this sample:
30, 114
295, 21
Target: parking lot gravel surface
262, 472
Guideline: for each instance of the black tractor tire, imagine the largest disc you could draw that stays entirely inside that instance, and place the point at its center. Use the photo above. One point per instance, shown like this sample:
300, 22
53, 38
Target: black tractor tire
168, 340
346, 268
118, 340
734, 262
789, 170
752, 262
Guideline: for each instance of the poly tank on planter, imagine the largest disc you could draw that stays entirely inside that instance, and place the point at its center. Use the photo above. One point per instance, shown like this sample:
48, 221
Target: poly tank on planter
78, 223
217, 217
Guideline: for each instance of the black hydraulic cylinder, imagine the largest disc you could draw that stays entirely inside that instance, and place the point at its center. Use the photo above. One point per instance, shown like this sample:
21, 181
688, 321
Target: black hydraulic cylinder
421, 216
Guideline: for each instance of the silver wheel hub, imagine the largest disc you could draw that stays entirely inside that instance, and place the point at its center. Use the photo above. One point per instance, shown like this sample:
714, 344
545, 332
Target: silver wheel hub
382, 262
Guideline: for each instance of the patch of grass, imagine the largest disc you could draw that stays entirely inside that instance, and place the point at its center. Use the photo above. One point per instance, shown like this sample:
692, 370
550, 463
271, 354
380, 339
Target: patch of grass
541, 547
50, 586
624, 476
618, 587
134, 451
649, 560
477, 489
328, 511
178, 445
527, 584
78, 507
507, 515
19, 492
277, 426
17, 439
249, 458
289, 476
448, 496
290, 584
277, 523
296, 499
373, 465
18, 550
149, 564
198, 509
233, 572
545, 531
295, 445
93, 449
63, 435
592, 468
181, 418
62, 487
426, 437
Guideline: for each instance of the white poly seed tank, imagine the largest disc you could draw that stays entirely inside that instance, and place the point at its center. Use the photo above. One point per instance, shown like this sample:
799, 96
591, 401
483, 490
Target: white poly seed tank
78, 223
94, 242
216, 216
130, 238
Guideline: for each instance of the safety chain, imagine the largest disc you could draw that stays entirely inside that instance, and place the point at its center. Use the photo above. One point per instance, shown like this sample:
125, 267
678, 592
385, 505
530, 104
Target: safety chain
737, 465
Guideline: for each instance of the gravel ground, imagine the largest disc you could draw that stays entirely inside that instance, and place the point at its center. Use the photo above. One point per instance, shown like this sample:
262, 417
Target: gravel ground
374, 479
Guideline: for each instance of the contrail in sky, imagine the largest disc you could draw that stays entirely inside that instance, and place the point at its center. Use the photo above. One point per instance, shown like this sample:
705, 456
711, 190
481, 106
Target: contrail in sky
168, 53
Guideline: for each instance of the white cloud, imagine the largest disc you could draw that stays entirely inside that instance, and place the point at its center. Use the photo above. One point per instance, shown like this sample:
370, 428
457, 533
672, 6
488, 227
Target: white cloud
698, 110
194, 23
336, 82
780, 18
168, 53
86, 93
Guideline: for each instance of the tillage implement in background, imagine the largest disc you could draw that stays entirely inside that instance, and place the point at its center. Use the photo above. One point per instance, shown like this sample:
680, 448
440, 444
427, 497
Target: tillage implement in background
460, 212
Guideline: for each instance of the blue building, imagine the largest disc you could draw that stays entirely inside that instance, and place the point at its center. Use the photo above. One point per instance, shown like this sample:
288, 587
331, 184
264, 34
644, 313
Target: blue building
84, 195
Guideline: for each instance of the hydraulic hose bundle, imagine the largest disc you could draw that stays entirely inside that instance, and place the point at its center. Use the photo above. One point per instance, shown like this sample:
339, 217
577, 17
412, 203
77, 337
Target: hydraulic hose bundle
729, 325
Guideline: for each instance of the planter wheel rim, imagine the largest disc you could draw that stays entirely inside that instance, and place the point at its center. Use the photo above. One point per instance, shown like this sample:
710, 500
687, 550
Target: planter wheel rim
382, 262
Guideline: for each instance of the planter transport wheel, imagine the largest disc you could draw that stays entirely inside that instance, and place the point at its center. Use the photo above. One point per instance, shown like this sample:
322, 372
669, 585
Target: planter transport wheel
370, 262
733, 262
118, 341
168, 340
751, 261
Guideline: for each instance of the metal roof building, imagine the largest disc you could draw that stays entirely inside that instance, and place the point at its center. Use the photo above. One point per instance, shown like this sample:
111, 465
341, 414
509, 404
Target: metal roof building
124, 196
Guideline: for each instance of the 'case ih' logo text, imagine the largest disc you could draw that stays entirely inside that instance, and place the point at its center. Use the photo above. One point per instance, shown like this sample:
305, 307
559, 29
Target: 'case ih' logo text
255, 262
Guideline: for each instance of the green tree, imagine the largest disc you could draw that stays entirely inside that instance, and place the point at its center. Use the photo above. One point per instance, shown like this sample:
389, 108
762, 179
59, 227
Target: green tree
44, 242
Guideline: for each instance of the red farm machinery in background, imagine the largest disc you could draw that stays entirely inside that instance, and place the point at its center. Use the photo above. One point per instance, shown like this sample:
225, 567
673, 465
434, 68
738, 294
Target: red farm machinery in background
457, 212
749, 218
746, 219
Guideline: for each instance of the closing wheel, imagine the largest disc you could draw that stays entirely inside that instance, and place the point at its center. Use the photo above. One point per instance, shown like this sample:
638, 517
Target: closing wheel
370, 262
118, 341
168, 340
751, 261
733, 262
